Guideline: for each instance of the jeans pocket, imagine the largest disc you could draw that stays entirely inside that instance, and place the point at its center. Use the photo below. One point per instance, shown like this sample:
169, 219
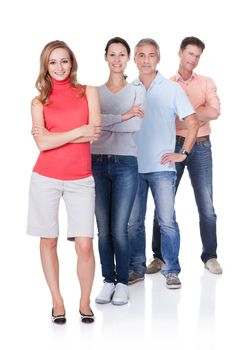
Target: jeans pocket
129, 161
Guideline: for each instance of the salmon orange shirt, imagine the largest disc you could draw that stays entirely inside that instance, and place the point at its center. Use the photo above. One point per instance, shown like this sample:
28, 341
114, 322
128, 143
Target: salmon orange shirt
201, 91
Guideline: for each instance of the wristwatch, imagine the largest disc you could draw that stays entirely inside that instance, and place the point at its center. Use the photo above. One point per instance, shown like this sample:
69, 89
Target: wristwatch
183, 151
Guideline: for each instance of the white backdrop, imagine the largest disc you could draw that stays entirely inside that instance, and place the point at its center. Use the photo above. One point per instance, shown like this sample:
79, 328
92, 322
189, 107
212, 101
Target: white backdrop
25, 27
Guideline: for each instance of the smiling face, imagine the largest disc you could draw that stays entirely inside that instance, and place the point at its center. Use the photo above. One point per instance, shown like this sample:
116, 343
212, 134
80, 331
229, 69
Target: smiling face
117, 58
59, 64
189, 57
146, 59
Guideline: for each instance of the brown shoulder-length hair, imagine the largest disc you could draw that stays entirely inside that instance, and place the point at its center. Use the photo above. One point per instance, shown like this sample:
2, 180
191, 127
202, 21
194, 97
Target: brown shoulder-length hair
43, 82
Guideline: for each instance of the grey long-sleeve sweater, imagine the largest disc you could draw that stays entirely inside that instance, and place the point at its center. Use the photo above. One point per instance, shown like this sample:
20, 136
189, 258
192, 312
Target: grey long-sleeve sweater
117, 136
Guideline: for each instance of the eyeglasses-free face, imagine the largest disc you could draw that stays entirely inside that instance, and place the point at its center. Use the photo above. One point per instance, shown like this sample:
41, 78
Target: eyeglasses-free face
59, 65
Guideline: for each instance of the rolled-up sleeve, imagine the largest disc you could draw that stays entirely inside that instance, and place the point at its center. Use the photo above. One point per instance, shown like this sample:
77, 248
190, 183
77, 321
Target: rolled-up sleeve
212, 98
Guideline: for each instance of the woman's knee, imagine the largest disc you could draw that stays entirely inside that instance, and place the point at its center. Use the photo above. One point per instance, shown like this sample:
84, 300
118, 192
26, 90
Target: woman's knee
84, 246
48, 243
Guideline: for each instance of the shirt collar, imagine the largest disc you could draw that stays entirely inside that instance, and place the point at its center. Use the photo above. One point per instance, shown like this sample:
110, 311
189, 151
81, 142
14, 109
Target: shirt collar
158, 80
178, 77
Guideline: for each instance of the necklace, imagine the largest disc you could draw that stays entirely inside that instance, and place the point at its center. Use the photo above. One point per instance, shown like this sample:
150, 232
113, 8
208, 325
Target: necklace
116, 88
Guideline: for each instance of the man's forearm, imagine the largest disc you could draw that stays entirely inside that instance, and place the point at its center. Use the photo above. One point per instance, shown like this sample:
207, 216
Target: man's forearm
192, 125
206, 113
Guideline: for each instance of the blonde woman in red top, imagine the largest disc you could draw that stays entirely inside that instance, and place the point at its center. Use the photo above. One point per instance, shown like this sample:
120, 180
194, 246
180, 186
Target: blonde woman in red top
65, 119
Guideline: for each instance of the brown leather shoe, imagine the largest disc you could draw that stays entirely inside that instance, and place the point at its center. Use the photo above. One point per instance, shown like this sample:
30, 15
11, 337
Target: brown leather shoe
155, 266
135, 277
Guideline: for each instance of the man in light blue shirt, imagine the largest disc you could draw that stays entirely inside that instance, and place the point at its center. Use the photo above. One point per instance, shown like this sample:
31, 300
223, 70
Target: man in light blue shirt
164, 101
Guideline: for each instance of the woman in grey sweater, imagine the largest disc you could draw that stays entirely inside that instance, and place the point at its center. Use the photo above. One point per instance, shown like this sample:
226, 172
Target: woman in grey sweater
115, 171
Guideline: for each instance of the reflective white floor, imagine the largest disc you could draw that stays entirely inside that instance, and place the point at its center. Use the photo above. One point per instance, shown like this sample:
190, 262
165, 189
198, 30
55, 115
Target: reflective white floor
204, 314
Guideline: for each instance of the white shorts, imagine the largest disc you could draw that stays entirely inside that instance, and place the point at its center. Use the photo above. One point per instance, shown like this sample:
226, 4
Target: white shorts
44, 199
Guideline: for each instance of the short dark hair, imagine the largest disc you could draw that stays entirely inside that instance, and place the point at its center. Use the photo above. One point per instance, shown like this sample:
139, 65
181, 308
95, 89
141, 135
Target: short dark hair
192, 40
117, 40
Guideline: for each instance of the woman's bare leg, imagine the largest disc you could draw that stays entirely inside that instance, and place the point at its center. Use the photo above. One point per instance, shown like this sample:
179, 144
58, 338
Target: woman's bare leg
50, 265
85, 270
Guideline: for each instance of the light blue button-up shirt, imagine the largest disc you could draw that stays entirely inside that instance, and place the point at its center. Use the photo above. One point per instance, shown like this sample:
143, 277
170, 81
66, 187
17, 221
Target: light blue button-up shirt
164, 100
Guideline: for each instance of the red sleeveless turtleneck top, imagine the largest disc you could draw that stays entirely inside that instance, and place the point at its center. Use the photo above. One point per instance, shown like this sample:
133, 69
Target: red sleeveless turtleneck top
66, 110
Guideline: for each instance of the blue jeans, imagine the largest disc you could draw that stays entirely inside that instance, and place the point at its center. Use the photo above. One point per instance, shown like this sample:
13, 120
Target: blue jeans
199, 166
162, 185
116, 179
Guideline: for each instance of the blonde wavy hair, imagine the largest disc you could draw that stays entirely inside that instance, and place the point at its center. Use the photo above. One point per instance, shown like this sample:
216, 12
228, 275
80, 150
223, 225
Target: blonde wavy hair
43, 82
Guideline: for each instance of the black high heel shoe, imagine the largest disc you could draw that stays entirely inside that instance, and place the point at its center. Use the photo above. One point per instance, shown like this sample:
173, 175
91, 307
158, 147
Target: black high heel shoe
87, 318
59, 319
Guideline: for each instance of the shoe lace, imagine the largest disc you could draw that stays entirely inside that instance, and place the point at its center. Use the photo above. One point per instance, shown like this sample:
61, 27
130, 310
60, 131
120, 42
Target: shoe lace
171, 275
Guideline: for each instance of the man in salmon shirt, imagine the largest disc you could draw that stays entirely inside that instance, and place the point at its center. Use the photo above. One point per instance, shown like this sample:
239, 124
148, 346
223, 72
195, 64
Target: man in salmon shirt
202, 93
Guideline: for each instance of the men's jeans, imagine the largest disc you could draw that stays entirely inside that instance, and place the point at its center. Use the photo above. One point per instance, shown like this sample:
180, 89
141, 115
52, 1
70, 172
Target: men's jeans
116, 179
162, 185
199, 166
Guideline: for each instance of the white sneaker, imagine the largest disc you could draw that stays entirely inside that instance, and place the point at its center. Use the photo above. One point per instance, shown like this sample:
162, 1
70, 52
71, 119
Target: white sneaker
213, 266
121, 294
106, 294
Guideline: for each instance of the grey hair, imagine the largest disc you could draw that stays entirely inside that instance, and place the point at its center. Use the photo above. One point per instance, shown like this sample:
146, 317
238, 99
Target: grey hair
147, 41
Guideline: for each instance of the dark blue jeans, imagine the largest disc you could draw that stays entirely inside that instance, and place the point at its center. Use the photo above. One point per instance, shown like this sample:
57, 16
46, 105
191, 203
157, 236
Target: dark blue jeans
116, 180
199, 166
162, 185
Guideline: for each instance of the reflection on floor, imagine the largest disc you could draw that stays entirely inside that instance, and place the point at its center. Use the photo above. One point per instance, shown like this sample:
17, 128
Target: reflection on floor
200, 315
